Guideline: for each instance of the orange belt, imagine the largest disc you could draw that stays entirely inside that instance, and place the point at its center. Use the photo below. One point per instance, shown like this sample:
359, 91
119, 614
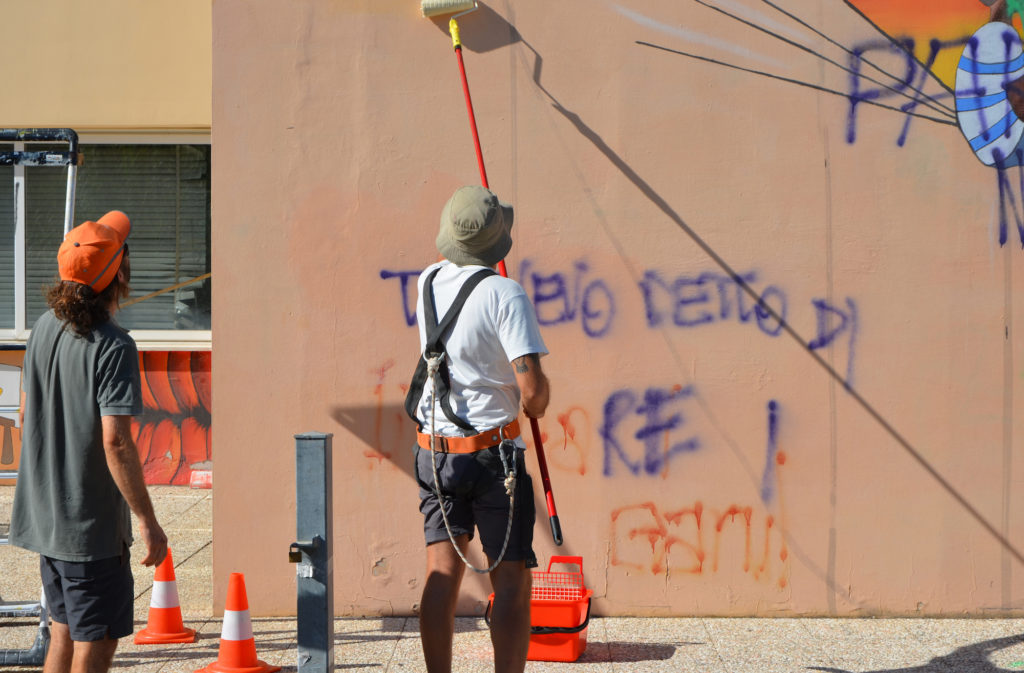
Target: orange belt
469, 444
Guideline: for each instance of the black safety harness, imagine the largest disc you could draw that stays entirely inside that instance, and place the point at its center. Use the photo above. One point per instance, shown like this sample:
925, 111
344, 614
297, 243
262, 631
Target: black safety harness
433, 365
436, 332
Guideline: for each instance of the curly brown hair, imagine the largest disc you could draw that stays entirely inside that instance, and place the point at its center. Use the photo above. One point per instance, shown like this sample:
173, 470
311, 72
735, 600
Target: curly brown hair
82, 308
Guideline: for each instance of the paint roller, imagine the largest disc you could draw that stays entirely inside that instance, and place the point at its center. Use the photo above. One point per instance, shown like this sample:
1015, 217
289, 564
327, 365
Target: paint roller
433, 8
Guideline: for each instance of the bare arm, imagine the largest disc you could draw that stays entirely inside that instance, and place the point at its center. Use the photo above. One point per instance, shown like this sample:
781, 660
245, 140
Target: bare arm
125, 468
533, 384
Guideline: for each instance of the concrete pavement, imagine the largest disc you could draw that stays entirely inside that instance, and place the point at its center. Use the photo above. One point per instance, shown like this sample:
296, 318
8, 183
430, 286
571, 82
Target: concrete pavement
616, 645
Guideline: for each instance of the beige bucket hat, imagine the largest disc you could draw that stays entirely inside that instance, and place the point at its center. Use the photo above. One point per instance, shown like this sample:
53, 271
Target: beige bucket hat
475, 227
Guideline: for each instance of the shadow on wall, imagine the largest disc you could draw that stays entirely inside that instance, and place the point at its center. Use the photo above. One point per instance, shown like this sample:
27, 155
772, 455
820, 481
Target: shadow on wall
967, 659
368, 423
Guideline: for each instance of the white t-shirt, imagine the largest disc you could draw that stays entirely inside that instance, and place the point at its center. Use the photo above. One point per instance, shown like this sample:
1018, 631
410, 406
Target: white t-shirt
497, 325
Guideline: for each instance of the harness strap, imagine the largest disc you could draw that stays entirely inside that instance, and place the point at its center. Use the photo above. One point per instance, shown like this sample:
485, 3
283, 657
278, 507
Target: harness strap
435, 346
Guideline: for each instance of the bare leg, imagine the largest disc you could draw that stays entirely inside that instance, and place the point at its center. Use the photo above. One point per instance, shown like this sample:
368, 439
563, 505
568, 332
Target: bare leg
437, 606
93, 657
510, 617
58, 657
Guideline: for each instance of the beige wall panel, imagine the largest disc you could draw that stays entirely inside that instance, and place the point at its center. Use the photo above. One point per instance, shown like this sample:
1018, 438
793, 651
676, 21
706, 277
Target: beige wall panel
103, 64
705, 460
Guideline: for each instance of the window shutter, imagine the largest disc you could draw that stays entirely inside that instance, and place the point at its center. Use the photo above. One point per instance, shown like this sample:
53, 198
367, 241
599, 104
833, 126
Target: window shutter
6, 243
165, 190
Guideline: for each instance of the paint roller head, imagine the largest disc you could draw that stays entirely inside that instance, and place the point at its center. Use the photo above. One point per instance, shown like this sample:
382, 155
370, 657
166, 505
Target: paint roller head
442, 7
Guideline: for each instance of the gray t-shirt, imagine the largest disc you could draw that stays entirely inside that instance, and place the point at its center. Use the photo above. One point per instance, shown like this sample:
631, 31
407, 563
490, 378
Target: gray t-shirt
66, 504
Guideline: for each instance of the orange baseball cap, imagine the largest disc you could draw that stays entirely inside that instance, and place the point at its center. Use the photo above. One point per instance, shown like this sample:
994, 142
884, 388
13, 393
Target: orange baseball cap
92, 252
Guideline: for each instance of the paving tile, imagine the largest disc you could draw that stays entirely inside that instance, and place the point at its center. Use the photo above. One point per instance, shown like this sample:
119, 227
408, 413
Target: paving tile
368, 644
18, 633
173, 658
865, 644
407, 655
19, 575
614, 644
197, 516
175, 500
765, 645
968, 645
664, 644
912, 645
472, 646
471, 649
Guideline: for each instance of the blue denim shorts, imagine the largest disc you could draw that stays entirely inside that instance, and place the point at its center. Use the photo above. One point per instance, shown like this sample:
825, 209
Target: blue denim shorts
473, 492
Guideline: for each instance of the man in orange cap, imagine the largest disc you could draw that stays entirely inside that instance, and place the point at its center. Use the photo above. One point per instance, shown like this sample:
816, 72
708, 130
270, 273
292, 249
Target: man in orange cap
80, 471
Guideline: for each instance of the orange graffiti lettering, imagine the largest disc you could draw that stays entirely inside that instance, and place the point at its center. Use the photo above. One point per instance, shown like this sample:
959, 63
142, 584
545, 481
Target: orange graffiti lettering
571, 437
384, 434
683, 529
731, 513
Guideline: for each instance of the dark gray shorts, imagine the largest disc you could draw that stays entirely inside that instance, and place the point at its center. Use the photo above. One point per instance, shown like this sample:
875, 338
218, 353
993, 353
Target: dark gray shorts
94, 598
473, 489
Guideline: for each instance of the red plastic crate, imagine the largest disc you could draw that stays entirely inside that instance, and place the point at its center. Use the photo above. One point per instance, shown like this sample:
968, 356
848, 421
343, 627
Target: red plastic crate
559, 612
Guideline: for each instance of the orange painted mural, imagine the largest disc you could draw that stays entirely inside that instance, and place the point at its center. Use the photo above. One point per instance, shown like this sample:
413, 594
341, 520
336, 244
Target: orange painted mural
946, 21
172, 433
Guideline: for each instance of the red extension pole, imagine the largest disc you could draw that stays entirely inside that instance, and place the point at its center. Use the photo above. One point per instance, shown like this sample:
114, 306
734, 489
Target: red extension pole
556, 528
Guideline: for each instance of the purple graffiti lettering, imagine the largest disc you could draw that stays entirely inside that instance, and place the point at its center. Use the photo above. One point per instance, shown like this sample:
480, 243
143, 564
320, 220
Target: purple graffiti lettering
904, 49
828, 331
658, 426
566, 297
1006, 194
408, 304
690, 303
690, 292
772, 449
935, 47
616, 408
767, 321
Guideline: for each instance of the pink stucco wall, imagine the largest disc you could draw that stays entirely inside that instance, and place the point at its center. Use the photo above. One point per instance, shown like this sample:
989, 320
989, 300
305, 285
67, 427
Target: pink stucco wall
706, 460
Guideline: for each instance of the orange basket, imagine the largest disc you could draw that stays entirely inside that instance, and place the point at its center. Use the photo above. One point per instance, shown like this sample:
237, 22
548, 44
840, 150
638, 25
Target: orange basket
559, 612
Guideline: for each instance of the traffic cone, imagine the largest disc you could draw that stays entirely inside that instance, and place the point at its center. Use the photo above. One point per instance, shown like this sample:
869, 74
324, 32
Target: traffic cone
165, 611
237, 652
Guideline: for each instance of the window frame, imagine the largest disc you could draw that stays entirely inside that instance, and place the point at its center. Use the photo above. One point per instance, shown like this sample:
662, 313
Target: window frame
193, 340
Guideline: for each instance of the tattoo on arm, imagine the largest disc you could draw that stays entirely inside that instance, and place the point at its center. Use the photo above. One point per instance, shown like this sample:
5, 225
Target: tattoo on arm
522, 364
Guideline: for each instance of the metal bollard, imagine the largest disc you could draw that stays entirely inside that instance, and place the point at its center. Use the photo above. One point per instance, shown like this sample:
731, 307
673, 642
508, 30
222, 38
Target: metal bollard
313, 552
